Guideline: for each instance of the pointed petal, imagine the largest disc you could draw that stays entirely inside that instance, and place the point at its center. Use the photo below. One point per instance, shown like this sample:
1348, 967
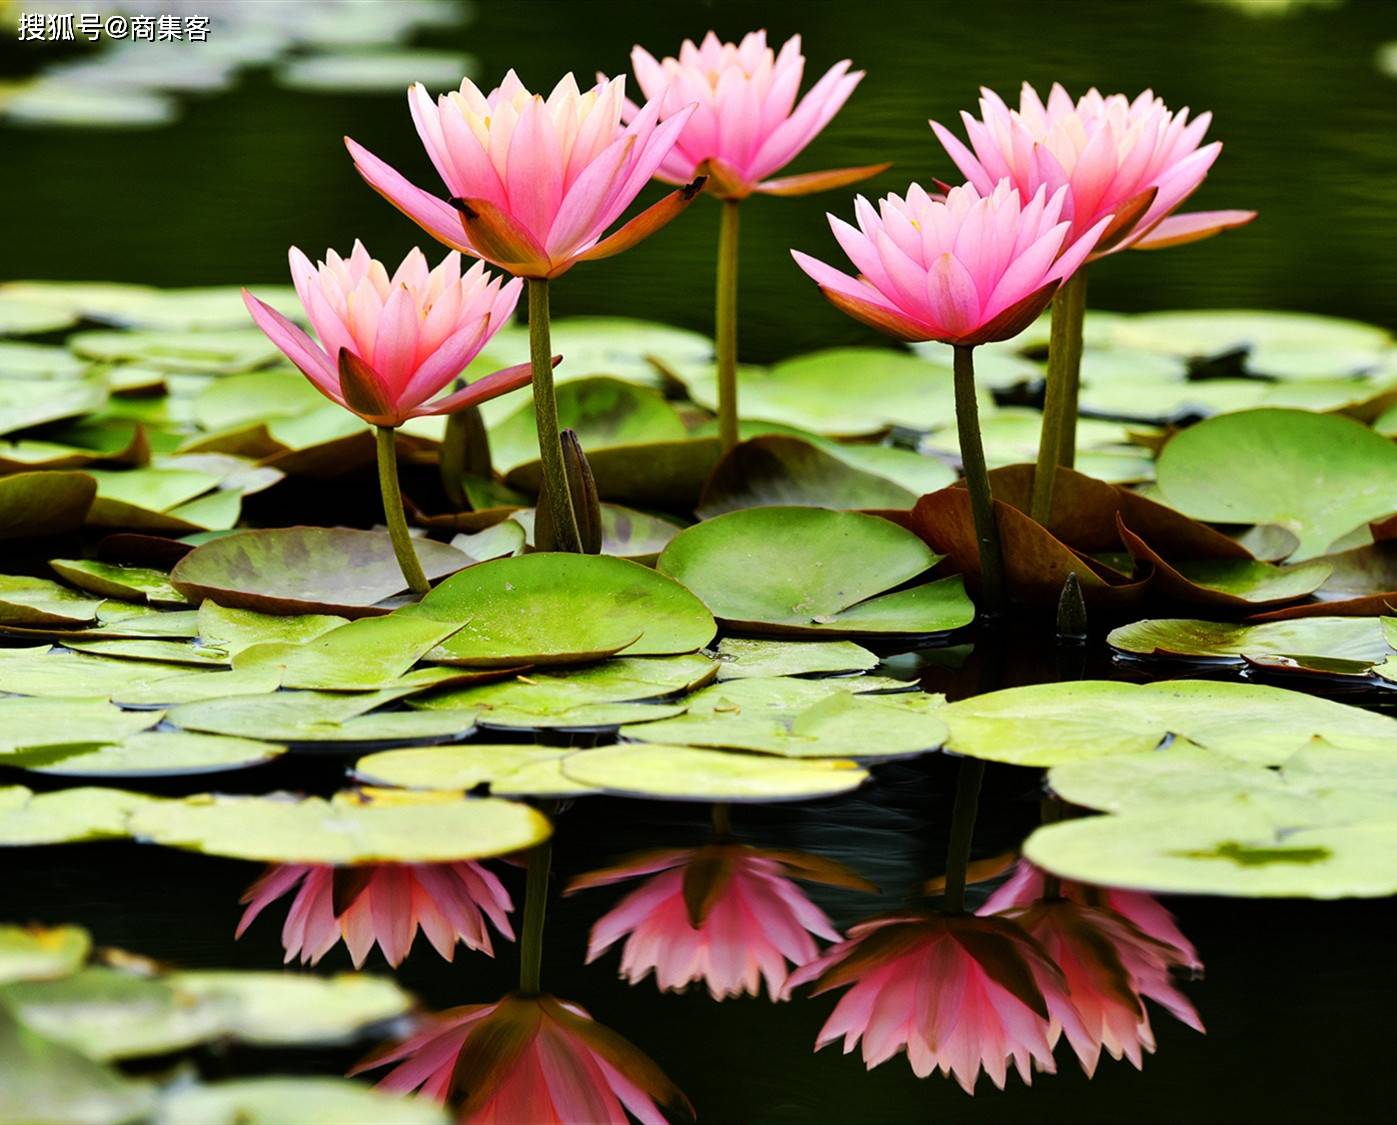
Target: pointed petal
491, 386
808, 182
645, 224
1178, 230
437, 217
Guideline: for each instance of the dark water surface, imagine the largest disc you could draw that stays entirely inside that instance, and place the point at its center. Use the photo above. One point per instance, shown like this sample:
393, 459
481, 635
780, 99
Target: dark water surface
1297, 995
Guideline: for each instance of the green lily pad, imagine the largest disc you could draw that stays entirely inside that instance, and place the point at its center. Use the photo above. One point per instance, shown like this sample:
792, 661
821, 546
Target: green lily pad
1049, 724
34, 402
634, 350
195, 687
256, 396
1359, 639
27, 722
1231, 853
21, 317
1168, 402
400, 828
212, 353
794, 718
811, 570
363, 655
604, 412
1320, 476
778, 470
305, 570
146, 623
318, 717
57, 675
497, 541
148, 754
552, 608
626, 533
1204, 334
41, 952
236, 629
509, 769
272, 1101
66, 816
37, 601
743, 657
208, 308
1010, 435
53, 102
44, 503
916, 472
38, 361
1252, 581
127, 583
686, 773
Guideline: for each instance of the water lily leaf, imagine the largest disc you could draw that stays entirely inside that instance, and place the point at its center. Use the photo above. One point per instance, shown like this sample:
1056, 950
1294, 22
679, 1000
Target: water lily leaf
34, 402
626, 533
686, 773
213, 353
128, 583
914, 471
1163, 403
41, 952
619, 680
778, 470
634, 350
605, 412
1363, 582
1049, 724
44, 503
742, 658
148, 754
371, 72
305, 570
362, 655
37, 601
319, 717
1010, 436
195, 687
509, 769
347, 830
236, 629
494, 542
113, 623
1262, 466
827, 392
55, 675
161, 651
665, 475
551, 608
270, 1101
1229, 853
255, 396
66, 816
794, 718
38, 361
22, 317
52, 102
1332, 638
1207, 333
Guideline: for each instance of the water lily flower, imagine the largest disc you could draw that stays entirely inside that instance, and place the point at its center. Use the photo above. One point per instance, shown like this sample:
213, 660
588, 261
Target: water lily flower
967, 269
726, 914
534, 182
384, 903
529, 1058
389, 344
959, 993
1133, 160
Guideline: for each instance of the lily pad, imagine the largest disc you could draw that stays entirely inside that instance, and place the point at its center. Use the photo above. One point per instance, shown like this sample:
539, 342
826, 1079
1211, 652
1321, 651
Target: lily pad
256, 396
37, 601
794, 718
552, 608
626, 533
634, 350
128, 583
236, 629
305, 570
56, 675
347, 830
271, 1101
195, 687
1169, 402
1049, 724
66, 816
742, 658
363, 655
1204, 334
686, 773
29, 722
810, 570
38, 361
21, 317
41, 952
318, 717
34, 402
1357, 639
213, 353
148, 754
509, 769
1320, 476
44, 503
497, 541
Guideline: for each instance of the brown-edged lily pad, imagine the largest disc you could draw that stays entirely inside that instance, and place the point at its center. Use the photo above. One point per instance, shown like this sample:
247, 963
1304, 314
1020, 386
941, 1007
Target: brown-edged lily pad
44, 503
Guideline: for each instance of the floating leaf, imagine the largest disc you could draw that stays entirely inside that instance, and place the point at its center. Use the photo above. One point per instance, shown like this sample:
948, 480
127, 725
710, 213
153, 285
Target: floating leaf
316, 717
810, 570
779, 470
255, 396
804, 719
129, 583
371, 72
743, 658
509, 769
195, 687
1321, 476
272, 1101
37, 601
28, 722
1049, 724
687, 773
41, 953
305, 570
34, 402
148, 754
363, 655
236, 629
629, 349
626, 533
65, 816
213, 353
44, 503
1359, 639
552, 608
347, 830
38, 361
1203, 334
1170, 402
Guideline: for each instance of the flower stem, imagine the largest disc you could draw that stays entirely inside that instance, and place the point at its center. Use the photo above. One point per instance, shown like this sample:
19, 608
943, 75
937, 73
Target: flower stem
393, 513
722, 819
554, 491
1057, 442
535, 909
977, 480
725, 325
972, 772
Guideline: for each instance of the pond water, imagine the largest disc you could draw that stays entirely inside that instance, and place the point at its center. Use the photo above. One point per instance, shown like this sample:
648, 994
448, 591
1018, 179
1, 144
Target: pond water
1295, 992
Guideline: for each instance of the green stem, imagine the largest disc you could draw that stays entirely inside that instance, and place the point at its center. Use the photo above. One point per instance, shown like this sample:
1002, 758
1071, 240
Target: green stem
722, 819
977, 481
393, 513
554, 491
535, 909
972, 772
1057, 442
725, 325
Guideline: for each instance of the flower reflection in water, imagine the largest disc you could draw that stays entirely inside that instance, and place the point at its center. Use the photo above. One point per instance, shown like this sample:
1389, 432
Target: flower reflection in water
529, 1059
383, 903
726, 914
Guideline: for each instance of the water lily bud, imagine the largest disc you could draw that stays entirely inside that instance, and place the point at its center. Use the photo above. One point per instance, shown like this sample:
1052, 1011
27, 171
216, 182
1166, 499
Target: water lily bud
586, 504
1071, 612
465, 452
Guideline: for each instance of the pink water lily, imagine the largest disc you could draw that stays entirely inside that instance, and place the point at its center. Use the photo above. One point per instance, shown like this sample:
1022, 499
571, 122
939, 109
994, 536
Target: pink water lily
976, 266
958, 993
535, 182
748, 123
389, 344
726, 914
529, 1058
1134, 160
384, 903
